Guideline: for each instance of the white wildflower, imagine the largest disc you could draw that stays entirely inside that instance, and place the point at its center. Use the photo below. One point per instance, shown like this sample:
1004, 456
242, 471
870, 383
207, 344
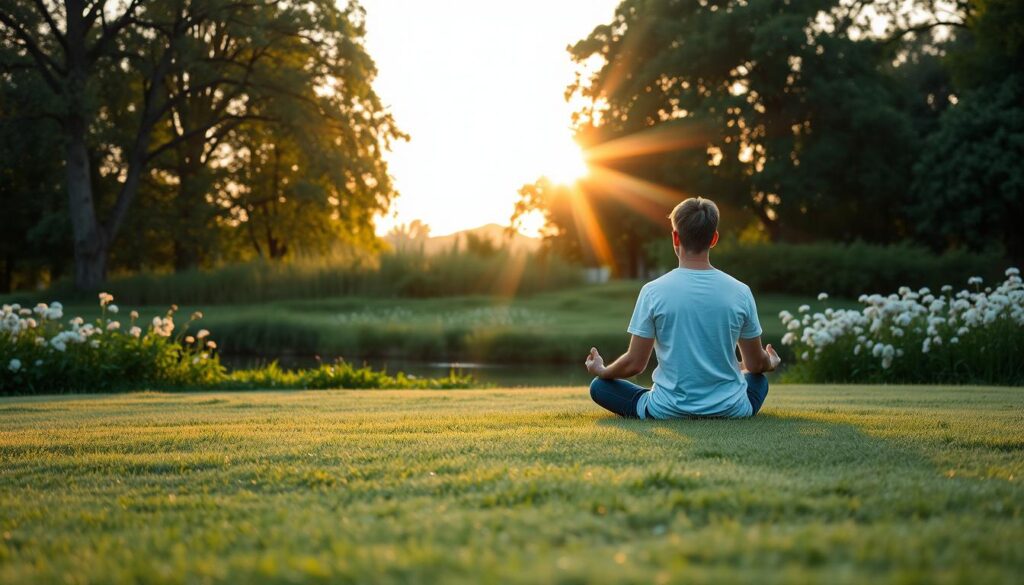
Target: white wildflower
822, 296
14, 365
803, 308
95, 343
202, 334
975, 280
113, 326
106, 299
135, 332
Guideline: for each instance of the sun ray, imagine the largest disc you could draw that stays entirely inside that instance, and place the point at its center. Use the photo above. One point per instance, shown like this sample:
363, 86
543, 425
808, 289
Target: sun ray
589, 227
667, 137
649, 199
507, 283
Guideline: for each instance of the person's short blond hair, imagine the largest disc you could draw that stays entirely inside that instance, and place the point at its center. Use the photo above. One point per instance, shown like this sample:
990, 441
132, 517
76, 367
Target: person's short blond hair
696, 220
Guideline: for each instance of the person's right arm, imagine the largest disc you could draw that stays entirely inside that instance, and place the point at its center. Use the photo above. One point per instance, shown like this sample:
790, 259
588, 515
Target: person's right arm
757, 359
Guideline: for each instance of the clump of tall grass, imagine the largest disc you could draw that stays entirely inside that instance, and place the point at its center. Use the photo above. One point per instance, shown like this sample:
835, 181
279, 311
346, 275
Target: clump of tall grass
402, 273
914, 336
338, 375
41, 354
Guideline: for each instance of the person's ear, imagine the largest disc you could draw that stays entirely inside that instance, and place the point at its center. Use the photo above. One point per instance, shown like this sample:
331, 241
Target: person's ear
714, 240
675, 238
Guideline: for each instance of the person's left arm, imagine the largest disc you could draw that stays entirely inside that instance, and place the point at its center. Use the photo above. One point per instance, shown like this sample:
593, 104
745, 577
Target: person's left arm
629, 364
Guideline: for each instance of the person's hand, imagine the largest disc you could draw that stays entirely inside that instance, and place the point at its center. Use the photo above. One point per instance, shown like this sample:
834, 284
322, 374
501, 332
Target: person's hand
773, 358
595, 363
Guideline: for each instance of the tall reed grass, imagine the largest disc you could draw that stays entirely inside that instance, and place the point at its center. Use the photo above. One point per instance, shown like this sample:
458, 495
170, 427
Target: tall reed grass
390, 274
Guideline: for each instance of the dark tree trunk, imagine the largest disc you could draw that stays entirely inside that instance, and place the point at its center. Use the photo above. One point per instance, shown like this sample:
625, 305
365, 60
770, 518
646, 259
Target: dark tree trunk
90, 245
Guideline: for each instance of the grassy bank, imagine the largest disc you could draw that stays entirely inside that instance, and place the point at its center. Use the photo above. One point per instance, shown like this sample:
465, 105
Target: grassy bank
829, 484
550, 327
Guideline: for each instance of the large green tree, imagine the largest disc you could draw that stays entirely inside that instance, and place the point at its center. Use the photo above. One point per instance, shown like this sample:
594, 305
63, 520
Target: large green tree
145, 92
311, 125
794, 115
969, 181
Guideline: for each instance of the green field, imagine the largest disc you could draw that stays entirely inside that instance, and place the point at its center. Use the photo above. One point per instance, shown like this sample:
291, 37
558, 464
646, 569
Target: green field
829, 484
554, 327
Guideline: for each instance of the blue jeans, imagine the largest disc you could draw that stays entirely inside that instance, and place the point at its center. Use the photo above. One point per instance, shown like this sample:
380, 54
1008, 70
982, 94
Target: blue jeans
622, 396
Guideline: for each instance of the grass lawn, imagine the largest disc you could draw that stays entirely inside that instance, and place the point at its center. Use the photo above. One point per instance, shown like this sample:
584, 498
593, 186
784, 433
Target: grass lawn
830, 484
549, 327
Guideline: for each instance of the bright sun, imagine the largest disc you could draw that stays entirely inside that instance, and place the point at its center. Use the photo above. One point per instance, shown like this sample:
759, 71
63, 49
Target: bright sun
569, 165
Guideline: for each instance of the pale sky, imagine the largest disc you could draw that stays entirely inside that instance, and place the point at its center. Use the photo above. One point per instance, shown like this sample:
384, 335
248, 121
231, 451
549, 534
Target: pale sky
479, 86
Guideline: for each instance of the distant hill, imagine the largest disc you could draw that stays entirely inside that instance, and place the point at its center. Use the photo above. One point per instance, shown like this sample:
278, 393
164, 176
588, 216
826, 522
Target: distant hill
492, 232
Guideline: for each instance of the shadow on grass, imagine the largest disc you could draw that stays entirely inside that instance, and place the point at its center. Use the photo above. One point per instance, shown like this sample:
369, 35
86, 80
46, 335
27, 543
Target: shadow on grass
800, 467
780, 442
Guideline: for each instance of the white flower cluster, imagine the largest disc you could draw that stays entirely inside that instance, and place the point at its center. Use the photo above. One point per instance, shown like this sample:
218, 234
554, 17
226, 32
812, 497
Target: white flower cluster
16, 320
885, 321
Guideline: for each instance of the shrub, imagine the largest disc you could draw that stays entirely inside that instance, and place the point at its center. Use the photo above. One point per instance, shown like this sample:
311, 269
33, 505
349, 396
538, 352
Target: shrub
845, 270
39, 354
914, 336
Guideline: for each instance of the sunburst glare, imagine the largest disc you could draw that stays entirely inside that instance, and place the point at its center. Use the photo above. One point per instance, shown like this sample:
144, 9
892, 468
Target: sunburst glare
569, 165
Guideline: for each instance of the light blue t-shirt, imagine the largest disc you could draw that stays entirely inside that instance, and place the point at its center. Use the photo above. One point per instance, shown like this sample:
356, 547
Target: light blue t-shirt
696, 318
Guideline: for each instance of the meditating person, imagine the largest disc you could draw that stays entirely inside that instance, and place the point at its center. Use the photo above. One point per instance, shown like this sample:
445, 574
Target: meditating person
693, 317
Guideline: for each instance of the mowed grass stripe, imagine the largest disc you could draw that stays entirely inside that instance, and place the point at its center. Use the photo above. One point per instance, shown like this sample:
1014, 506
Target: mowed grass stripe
841, 484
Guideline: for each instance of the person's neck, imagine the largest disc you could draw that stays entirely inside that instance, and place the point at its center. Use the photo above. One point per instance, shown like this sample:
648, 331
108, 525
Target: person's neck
695, 261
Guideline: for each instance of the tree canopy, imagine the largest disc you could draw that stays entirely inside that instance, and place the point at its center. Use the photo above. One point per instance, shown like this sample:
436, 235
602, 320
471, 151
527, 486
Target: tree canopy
804, 121
158, 108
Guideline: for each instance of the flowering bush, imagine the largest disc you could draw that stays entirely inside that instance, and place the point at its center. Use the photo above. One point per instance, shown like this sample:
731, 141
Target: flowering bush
40, 354
970, 336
